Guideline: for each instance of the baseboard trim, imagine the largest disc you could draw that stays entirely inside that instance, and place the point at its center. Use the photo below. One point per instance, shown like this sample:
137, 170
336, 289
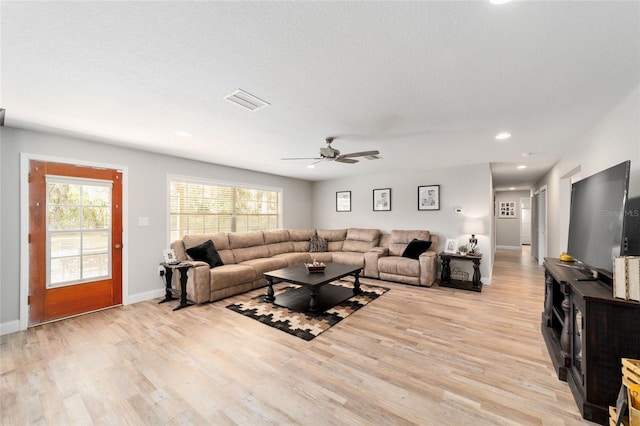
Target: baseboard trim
508, 248
9, 327
147, 295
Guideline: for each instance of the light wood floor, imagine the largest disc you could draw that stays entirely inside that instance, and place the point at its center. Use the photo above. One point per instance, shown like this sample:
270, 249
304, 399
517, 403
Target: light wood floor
428, 356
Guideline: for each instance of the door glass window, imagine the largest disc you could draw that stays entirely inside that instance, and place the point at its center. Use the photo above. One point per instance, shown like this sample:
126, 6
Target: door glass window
78, 230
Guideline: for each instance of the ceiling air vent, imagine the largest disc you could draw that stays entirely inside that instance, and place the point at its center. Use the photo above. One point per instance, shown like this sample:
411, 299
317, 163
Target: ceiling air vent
246, 100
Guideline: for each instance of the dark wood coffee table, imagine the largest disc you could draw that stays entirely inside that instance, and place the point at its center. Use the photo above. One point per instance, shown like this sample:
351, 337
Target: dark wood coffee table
316, 294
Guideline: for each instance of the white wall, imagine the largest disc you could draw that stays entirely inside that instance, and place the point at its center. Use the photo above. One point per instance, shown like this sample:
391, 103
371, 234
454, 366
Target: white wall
466, 187
147, 197
612, 140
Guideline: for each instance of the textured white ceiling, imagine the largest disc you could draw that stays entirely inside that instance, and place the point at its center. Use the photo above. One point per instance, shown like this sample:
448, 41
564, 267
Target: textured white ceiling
428, 84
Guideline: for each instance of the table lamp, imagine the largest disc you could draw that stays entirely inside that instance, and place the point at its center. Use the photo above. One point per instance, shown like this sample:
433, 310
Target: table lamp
473, 227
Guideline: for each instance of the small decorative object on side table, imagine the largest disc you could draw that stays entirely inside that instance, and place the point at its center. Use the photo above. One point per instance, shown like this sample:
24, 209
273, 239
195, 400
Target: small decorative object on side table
473, 227
445, 279
168, 275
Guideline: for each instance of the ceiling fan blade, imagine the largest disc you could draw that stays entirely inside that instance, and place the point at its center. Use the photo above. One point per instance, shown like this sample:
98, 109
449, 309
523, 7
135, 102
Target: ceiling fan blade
302, 158
360, 154
341, 159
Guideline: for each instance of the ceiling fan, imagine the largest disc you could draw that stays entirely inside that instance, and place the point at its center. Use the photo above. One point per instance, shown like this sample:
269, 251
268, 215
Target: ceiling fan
332, 154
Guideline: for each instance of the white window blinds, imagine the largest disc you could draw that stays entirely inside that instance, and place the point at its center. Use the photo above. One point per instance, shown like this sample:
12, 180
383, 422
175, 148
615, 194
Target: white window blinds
203, 208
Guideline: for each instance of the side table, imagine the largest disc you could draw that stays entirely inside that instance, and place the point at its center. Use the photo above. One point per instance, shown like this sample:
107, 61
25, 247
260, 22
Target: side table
445, 278
168, 275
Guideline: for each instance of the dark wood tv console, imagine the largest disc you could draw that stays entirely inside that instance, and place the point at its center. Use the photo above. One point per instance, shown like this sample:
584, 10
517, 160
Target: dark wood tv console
587, 331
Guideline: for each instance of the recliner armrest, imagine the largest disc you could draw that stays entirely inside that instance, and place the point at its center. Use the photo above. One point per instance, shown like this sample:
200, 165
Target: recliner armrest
371, 257
428, 267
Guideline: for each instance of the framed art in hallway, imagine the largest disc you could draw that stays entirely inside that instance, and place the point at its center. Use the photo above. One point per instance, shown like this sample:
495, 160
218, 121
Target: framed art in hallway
382, 199
507, 210
343, 201
429, 197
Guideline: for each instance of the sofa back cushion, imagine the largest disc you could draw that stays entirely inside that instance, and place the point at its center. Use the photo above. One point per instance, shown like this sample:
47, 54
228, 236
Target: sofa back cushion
385, 240
335, 238
300, 239
401, 239
361, 240
247, 245
220, 241
277, 241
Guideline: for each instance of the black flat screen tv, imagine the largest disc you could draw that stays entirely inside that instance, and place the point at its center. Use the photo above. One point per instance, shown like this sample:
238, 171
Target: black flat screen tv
597, 219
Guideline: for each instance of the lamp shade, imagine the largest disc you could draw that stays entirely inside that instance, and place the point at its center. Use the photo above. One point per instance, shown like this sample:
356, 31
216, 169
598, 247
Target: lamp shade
473, 226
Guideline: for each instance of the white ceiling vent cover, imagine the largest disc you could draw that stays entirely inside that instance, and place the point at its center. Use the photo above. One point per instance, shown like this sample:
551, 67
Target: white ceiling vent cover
246, 100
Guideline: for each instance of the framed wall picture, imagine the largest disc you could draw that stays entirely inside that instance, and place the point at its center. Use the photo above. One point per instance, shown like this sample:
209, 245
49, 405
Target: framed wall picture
507, 210
451, 246
429, 197
170, 256
343, 201
382, 200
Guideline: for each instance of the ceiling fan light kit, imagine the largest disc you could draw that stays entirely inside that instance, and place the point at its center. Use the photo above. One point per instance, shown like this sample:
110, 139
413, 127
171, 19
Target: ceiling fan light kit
332, 154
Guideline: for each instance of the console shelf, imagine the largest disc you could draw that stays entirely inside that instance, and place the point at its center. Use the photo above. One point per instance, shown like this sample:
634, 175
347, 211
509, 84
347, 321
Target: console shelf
587, 331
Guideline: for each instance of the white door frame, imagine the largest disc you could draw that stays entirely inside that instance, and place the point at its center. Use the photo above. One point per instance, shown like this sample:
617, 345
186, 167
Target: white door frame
25, 158
522, 215
542, 230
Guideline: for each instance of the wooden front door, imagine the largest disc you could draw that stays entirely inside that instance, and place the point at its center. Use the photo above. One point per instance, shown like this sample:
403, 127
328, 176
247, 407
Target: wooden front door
75, 240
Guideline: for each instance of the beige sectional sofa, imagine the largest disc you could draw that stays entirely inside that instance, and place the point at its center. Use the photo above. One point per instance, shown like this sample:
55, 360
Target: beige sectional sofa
247, 255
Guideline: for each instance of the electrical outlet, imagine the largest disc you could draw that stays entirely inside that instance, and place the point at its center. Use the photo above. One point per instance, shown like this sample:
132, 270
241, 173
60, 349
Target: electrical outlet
161, 270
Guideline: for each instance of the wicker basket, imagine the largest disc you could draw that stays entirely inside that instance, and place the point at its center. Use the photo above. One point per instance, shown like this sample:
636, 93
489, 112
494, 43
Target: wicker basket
460, 275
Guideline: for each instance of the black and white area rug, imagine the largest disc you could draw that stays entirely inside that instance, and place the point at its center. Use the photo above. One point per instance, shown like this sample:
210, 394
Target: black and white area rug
300, 324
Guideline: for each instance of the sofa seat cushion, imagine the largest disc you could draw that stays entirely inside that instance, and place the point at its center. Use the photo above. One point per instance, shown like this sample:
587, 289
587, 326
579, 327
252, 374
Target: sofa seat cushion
348, 258
230, 275
266, 264
406, 279
398, 265
325, 256
293, 259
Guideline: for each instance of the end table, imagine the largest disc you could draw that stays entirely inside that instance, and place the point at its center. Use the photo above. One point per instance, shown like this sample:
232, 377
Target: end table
168, 275
445, 278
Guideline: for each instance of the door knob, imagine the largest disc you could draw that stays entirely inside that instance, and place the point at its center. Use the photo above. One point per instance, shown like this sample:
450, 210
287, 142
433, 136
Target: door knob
118, 246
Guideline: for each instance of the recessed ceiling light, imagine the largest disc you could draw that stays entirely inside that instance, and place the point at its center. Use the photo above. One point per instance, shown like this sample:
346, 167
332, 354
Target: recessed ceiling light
311, 166
182, 134
499, 1
522, 166
512, 188
503, 136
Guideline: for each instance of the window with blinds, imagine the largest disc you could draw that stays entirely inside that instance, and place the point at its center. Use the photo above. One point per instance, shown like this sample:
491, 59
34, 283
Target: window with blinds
203, 208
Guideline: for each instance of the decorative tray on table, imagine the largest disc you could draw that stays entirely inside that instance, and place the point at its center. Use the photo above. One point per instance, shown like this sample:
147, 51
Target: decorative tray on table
315, 266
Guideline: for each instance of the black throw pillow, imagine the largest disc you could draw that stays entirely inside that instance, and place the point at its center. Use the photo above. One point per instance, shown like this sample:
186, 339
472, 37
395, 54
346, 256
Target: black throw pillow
206, 252
416, 248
